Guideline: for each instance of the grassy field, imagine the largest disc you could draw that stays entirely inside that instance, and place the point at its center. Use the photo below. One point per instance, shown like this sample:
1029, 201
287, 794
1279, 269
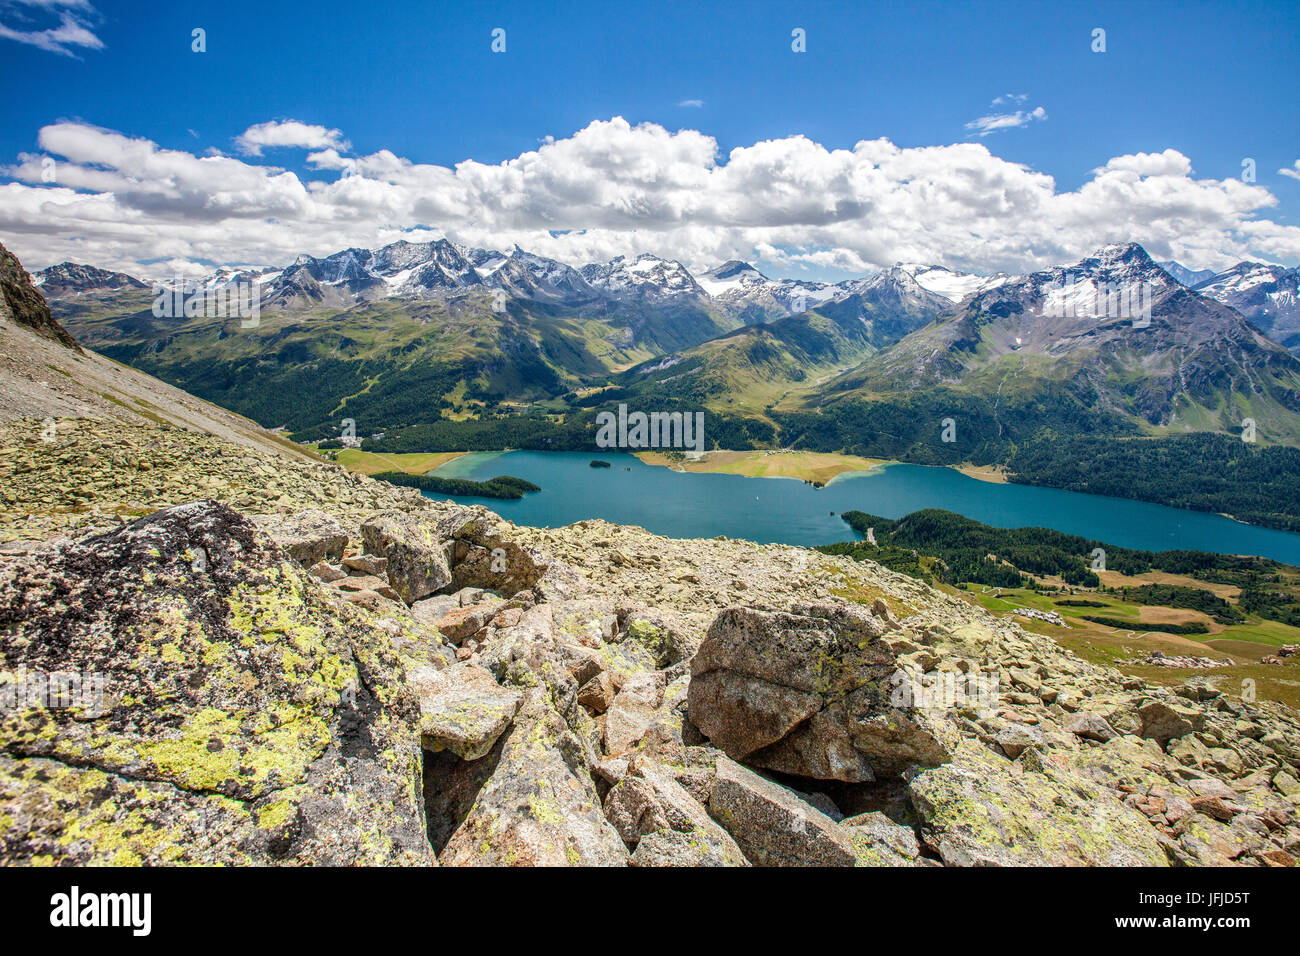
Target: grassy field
371, 463
804, 465
1244, 644
991, 473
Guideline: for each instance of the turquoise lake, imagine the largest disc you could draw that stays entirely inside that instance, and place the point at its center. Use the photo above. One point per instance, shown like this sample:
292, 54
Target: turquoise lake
787, 511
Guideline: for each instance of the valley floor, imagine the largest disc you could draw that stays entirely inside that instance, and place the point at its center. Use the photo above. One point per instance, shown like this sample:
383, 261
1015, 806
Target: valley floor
803, 465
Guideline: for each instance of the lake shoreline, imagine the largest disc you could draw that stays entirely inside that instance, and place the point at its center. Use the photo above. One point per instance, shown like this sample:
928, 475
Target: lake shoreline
687, 504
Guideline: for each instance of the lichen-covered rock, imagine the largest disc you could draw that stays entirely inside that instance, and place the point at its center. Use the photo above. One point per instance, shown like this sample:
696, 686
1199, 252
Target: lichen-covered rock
808, 693
417, 562
538, 805
880, 841
486, 555
1163, 721
308, 537
664, 644
1090, 726
649, 804
981, 809
245, 716
772, 826
462, 709
633, 711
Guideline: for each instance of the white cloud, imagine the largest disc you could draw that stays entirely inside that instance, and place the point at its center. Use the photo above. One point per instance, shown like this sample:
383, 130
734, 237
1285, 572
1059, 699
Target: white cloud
73, 30
288, 134
1010, 98
613, 188
1293, 172
1169, 163
996, 122
694, 104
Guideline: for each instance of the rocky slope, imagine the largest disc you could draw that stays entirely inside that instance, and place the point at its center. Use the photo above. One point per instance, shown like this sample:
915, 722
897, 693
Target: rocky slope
299, 665
22, 305
45, 374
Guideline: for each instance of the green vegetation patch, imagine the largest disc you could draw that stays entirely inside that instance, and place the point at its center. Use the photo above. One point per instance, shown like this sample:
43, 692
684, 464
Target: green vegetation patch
503, 486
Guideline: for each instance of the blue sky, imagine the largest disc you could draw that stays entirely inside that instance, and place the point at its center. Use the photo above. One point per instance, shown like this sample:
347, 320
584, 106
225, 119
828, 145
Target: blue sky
1215, 82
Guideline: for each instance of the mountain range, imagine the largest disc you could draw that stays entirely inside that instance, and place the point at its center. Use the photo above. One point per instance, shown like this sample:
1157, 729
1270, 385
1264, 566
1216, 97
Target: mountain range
439, 334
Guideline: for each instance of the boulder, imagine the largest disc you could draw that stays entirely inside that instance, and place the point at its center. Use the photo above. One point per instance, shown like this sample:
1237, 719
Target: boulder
461, 623
1015, 739
597, 693
308, 537
417, 564
485, 555
665, 646
538, 805
462, 709
980, 810
1090, 726
366, 564
326, 572
772, 826
808, 693
674, 848
880, 841
647, 801
1163, 722
229, 711
633, 711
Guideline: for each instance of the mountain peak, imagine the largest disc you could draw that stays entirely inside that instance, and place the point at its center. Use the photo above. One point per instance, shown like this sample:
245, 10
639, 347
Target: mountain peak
1128, 253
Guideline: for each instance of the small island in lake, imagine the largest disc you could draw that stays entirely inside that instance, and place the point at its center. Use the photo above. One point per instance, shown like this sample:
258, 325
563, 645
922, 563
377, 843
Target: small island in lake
597, 463
502, 486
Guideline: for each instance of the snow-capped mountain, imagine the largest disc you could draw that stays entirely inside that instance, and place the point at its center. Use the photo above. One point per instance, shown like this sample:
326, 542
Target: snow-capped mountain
953, 286
1115, 329
1267, 295
735, 292
741, 289
898, 287
527, 276
646, 278
421, 270
906, 295
71, 277
1188, 277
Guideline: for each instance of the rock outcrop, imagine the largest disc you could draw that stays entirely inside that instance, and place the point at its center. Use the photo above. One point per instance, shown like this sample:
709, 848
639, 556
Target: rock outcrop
21, 302
222, 709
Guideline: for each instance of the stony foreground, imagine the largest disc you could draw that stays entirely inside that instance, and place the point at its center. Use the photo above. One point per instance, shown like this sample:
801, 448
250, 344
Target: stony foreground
290, 664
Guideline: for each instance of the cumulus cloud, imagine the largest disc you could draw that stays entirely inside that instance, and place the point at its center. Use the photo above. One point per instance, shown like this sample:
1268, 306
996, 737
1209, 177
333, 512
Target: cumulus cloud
74, 28
1293, 172
614, 188
996, 122
288, 133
